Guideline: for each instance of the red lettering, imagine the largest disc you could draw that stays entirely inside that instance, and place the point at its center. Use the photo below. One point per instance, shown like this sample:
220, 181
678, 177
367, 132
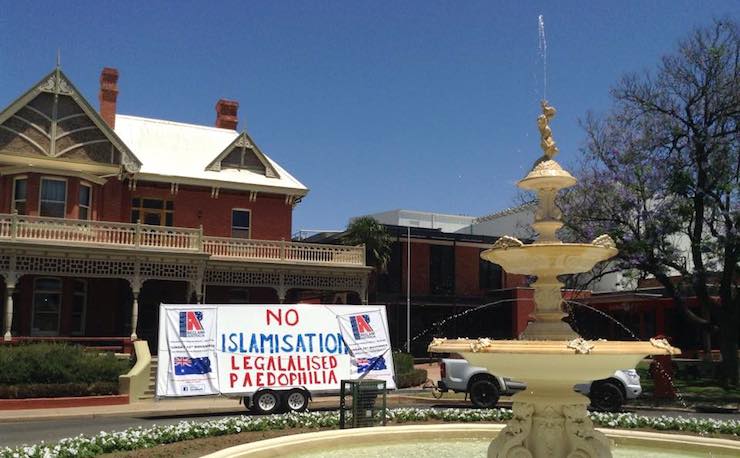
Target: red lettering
270, 379
233, 364
277, 316
232, 379
282, 379
259, 379
259, 363
291, 313
246, 363
247, 380
332, 361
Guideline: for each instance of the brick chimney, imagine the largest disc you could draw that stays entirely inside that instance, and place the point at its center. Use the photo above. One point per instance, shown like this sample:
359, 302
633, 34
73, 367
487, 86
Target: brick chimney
108, 95
226, 114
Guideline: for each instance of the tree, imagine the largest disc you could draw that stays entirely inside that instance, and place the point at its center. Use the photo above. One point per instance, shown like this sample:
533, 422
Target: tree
367, 231
660, 175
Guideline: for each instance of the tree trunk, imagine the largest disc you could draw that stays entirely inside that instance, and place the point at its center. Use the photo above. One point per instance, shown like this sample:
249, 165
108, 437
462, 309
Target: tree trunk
728, 345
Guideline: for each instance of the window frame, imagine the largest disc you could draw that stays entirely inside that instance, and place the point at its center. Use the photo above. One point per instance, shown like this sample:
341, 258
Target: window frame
83, 315
87, 207
248, 228
41, 195
59, 292
163, 212
14, 200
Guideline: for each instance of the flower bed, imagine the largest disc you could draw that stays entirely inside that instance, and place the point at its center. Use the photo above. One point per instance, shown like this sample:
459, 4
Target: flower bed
139, 438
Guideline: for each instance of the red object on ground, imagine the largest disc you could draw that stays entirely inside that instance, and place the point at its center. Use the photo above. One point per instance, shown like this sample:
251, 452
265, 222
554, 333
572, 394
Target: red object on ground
52, 403
662, 371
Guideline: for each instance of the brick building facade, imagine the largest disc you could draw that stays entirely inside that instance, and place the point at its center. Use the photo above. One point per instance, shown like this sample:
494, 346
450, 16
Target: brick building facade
103, 216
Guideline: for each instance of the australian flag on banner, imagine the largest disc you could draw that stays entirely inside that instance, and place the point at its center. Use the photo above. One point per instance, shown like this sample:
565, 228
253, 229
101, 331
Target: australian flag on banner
184, 365
367, 364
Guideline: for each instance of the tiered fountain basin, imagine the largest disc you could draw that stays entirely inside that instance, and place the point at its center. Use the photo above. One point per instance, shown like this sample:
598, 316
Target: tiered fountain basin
460, 440
543, 258
564, 363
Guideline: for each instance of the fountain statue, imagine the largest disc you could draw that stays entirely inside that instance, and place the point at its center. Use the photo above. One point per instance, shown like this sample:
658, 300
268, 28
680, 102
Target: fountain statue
550, 419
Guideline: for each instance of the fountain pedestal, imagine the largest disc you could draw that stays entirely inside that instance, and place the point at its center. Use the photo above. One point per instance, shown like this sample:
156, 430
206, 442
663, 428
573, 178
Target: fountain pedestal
549, 421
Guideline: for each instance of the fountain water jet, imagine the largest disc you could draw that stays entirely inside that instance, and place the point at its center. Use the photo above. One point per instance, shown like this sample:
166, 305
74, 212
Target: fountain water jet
550, 419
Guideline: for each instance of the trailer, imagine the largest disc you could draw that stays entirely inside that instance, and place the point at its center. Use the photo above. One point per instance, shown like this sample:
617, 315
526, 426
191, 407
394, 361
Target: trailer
273, 357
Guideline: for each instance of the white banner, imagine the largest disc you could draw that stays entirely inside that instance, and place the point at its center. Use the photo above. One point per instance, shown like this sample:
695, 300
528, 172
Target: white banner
251, 346
189, 366
366, 336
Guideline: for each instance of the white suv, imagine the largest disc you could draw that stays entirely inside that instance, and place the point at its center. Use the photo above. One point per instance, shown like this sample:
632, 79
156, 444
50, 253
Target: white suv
485, 388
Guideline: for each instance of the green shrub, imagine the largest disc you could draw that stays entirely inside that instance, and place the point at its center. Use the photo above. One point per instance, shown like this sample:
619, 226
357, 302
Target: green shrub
414, 378
403, 363
54, 363
57, 390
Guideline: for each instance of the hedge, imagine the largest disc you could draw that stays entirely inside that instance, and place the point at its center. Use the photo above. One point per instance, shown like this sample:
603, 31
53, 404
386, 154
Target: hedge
406, 375
414, 378
403, 363
57, 390
55, 363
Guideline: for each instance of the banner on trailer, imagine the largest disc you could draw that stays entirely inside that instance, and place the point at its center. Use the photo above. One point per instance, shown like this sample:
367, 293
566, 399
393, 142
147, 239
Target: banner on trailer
366, 335
254, 346
189, 365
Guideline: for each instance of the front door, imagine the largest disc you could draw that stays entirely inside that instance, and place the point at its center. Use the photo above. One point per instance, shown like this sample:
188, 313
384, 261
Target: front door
47, 303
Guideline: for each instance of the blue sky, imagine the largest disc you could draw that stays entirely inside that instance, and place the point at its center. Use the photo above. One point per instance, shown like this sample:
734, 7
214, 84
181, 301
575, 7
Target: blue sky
422, 105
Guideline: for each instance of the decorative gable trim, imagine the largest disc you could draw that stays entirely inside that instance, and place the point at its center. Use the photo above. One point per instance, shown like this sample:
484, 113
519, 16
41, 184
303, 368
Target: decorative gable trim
243, 141
57, 83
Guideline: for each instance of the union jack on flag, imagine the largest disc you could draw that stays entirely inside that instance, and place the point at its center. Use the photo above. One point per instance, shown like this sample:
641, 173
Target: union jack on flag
183, 361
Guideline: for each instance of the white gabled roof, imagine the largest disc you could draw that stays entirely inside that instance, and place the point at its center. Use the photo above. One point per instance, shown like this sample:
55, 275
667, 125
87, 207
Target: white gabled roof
177, 152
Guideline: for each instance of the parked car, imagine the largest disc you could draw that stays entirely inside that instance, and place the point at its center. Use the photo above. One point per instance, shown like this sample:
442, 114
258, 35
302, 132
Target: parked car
485, 388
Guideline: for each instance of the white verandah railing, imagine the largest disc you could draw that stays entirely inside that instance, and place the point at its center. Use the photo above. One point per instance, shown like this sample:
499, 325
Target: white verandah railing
140, 236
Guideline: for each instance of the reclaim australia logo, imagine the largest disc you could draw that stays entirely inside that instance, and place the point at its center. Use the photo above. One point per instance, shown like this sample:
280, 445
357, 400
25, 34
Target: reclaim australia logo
191, 324
361, 328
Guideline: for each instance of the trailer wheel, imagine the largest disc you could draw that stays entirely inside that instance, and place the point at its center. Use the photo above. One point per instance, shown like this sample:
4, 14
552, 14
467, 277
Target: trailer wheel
266, 402
245, 401
296, 400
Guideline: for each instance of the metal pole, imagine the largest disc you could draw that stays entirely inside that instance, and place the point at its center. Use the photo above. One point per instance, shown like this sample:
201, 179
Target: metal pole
408, 289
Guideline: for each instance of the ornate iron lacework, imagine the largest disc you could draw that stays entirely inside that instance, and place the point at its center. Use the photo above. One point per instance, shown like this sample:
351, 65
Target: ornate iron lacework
72, 266
339, 282
238, 278
167, 271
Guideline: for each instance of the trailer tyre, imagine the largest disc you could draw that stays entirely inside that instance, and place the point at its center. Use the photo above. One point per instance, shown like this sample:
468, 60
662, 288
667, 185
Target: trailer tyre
266, 402
296, 400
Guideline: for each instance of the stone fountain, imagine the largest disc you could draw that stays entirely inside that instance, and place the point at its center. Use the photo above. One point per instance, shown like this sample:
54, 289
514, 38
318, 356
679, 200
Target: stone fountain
550, 419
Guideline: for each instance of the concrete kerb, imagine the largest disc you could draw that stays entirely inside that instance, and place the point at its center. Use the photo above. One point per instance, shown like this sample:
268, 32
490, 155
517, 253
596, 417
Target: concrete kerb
216, 406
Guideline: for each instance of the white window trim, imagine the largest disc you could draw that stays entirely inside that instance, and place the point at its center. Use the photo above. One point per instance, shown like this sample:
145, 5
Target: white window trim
83, 318
12, 202
89, 204
66, 193
34, 332
249, 229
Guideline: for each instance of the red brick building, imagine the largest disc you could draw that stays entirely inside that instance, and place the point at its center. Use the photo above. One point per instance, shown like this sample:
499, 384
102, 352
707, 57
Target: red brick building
103, 216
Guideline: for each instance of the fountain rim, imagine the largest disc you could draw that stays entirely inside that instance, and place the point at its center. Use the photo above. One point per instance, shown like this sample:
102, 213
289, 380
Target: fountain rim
313, 440
577, 347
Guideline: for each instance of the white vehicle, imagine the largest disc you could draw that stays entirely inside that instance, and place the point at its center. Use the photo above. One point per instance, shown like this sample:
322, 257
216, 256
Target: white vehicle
272, 357
485, 388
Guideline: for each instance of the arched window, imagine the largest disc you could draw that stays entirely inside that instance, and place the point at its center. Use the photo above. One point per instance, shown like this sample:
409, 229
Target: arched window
47, 303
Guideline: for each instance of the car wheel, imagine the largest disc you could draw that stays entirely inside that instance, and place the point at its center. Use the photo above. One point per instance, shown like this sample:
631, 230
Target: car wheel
296, 400
607, 397
484, 394
265, 402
